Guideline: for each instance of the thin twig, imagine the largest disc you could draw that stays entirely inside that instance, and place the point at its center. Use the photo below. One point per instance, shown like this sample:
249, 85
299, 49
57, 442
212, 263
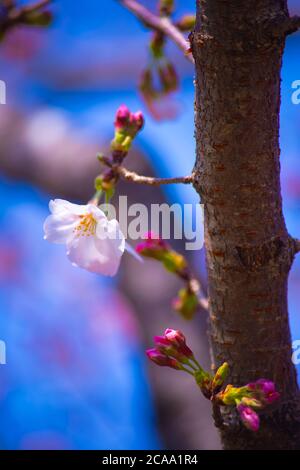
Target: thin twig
15, 15
161, 24
196, 288
35, 6
152, 181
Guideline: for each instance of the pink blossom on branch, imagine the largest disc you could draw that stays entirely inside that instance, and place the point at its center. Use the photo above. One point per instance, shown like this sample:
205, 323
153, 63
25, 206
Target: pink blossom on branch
264, 390
172, 351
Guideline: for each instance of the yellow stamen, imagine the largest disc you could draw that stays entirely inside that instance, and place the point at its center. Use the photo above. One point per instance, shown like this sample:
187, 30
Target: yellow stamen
87, 226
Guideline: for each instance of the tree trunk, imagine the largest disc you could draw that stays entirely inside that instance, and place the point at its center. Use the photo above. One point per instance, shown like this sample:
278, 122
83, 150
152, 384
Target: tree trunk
238, 46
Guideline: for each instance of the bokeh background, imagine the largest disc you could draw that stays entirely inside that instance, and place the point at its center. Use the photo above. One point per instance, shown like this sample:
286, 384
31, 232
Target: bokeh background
76, 375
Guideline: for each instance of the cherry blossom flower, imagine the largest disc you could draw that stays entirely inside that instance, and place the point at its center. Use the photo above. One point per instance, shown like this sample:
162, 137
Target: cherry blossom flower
93, 242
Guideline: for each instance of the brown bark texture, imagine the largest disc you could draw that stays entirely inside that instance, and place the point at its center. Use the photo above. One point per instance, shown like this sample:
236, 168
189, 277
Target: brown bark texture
238, 47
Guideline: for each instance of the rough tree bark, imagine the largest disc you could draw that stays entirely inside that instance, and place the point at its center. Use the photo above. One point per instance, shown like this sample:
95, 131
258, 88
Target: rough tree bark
238, 46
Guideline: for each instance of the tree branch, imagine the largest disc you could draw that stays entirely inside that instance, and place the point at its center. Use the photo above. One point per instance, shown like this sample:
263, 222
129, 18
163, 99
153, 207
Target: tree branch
292, 25
11, 15
297, 245
161, 24
135, 178
17, 13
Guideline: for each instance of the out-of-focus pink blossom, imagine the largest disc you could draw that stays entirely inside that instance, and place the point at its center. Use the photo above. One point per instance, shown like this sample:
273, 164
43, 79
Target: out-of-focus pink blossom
128, 122
151, 245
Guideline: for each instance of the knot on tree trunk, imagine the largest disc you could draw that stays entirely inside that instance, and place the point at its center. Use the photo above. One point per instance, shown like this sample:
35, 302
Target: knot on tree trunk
277, 252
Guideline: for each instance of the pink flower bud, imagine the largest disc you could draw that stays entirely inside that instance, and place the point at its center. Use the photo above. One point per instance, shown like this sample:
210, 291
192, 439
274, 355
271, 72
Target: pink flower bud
176, 336
138, 120
156, 248
264, 390
164, 346
152, 246
249, 418
162, 360
122, 117
267, 386
171, 348
178, 341
127, 125
162, 341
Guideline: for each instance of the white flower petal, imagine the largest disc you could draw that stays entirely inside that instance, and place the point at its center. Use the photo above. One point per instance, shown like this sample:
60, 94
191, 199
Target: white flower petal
97, 256
60, 205
59, 228
96, 212
93, 242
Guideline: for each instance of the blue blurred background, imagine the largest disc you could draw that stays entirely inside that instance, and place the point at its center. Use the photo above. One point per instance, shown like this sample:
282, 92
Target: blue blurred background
76, 377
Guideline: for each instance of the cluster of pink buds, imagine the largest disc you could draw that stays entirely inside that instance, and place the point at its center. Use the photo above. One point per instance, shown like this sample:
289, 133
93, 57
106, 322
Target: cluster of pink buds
250, 398
264, 391
260, 394
172, 351
127, 125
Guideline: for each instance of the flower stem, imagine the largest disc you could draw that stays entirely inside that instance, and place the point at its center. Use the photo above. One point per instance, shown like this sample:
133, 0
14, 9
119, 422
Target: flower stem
187, 370
97, 197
